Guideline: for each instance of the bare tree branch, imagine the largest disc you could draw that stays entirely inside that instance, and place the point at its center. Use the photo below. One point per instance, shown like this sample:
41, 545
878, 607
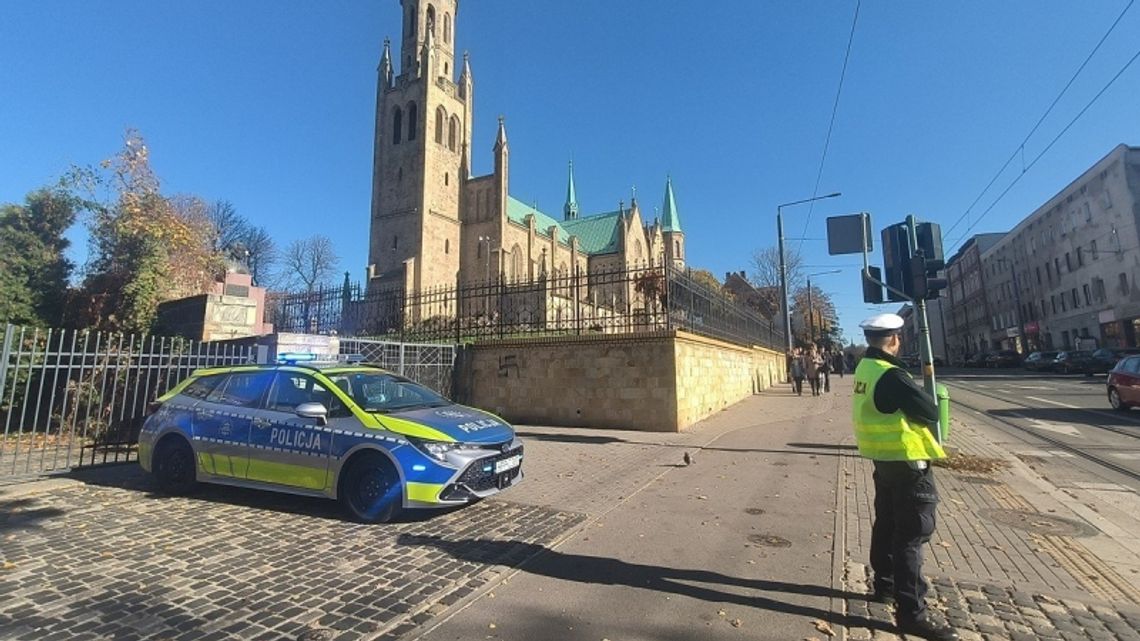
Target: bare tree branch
309, 263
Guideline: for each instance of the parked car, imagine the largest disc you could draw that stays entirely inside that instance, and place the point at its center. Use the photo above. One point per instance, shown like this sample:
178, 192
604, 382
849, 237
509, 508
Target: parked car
1123, 384
1073, 361
376, 441
1040, 361
1004, 358
976, 360
1106, 358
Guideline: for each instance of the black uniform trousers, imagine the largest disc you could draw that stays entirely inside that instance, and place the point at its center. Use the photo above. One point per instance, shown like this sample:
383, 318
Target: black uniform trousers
905, 502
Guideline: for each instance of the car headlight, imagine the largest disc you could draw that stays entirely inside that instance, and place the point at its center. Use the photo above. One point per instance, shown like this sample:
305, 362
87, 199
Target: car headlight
438, 450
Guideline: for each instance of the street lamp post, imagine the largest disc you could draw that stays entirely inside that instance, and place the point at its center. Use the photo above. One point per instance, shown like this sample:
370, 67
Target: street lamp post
783, 263
811, 310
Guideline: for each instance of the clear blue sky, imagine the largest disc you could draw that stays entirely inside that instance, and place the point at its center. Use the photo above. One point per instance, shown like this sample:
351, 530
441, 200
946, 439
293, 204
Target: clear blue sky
269, 104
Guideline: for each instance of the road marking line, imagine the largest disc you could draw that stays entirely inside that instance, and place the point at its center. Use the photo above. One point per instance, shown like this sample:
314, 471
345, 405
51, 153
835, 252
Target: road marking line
1037, 387
1057, 403
1126, 456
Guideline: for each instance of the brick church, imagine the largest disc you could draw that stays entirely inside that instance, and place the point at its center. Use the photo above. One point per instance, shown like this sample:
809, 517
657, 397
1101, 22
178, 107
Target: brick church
434, 224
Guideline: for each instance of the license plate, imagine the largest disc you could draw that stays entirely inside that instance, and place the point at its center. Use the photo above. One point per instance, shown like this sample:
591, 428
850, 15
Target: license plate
507, 464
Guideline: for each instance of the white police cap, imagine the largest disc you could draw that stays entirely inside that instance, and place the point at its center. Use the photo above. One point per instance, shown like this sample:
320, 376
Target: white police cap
882, 325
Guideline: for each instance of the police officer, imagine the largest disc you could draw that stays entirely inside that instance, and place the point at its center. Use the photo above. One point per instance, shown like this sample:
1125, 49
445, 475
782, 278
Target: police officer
894, 419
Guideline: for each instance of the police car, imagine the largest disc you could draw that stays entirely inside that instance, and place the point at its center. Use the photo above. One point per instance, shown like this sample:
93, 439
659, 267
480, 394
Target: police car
376, 441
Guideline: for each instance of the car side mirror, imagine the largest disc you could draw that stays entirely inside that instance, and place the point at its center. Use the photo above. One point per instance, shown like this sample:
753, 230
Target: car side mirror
313, 410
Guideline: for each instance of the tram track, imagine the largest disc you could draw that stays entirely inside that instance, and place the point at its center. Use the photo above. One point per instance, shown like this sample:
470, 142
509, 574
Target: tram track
1058, 443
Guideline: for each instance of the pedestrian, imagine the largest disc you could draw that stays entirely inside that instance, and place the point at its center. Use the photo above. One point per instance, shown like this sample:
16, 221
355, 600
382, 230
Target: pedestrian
839, 364
811, 365
894, 422
798, 372
825, 369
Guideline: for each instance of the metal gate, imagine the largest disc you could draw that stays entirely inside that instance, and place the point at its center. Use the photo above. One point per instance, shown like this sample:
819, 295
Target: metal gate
70, 398
425, 363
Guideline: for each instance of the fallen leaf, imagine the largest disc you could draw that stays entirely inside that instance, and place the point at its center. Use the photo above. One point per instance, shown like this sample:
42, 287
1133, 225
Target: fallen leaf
824, 627
8, 565
492, 626
722, 613
702, 497
736, 623
944, 544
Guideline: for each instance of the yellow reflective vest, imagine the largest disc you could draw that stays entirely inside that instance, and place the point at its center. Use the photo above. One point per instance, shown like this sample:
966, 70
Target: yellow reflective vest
887, 437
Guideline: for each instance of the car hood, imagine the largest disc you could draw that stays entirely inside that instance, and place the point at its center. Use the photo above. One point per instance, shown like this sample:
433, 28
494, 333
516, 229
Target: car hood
449, 423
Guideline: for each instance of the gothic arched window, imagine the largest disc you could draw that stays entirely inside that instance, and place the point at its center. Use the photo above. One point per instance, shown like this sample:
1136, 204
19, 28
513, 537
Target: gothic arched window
397, 125
431, 20
677, 249
412, 121
516, 263
440, 116
447, 28
452, 133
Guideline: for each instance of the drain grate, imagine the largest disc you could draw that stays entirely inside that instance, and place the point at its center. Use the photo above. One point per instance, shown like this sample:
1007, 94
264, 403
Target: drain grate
770, 540
1038, 522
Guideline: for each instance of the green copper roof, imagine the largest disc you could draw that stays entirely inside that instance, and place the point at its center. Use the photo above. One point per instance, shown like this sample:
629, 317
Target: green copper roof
517, 211
570, 209
670, 219
598, 234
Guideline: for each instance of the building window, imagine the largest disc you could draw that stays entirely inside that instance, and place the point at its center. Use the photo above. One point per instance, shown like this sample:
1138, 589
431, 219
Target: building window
1088, 295
447, 28
1038, 275
440, 116
447, 245
1098, 289
1123, 284
431, 20
1068, 264
1049, 272
453, 133
1042, 308
1092, 246
1080, 257
397, 125
1053, 300
676, 249
1057, 266
1076, 301
395, 242
479, 249
446, 179
412, 123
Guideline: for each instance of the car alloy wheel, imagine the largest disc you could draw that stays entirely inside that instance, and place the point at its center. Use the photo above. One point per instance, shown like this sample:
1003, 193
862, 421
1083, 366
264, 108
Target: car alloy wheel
371, 490
174, 466
1114, 400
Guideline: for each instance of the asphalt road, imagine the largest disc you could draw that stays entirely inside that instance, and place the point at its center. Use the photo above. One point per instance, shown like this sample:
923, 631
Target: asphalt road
1063, 418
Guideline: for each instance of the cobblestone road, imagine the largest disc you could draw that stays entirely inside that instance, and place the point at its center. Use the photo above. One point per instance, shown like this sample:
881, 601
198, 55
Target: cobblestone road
115, 562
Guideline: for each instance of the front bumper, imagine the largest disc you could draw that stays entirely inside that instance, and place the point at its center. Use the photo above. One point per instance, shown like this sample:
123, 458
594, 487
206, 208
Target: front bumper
476, 480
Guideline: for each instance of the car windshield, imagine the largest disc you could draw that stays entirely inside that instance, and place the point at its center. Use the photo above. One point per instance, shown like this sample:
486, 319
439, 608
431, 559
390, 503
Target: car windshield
382, 392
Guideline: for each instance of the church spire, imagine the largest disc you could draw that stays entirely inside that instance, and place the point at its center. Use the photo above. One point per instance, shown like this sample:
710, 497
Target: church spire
386, 65
670, 219
570, 209
501, 138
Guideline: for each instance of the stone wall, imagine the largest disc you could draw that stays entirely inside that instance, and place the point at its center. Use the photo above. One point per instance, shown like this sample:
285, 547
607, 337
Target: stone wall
656, 381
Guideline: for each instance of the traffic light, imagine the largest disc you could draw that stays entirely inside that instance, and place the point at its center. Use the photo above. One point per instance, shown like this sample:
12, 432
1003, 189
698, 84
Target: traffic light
872, 290
922, 276
896, 256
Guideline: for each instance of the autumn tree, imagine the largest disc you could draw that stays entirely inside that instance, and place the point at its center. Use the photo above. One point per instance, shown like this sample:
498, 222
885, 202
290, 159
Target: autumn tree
34, 271
144, 247
308, 263
706, 278
765, 275
815, 310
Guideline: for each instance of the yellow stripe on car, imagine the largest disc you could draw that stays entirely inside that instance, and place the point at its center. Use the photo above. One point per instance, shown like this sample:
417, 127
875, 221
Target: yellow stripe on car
413, 429
424, 492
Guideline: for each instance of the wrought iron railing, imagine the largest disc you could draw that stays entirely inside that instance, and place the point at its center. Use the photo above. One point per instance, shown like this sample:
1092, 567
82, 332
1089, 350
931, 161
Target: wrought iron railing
618, 301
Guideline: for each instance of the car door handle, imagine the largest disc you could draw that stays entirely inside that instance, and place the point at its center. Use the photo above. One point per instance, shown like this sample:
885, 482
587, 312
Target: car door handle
260, 423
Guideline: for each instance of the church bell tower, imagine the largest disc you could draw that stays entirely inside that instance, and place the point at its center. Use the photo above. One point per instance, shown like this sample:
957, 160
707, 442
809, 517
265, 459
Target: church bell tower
421, 151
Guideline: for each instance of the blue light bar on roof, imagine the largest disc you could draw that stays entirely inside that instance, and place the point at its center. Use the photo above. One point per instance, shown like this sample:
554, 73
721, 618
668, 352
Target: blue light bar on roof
296, 357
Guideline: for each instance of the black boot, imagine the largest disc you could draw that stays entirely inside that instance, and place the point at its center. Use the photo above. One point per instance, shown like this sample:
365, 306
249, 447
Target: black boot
926, 629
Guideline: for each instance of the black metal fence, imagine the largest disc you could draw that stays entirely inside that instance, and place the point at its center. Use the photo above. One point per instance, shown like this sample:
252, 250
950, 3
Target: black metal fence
616, 301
